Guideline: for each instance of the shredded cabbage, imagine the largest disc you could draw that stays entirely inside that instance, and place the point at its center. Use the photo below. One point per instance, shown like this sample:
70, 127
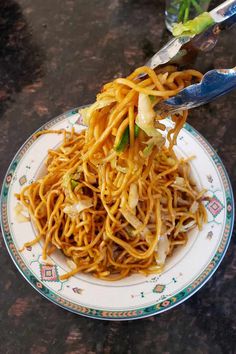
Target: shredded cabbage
122, 169
134, 221
168, 160
133, 196
74, 209
146, 115
188, 226
129, 230
179, 181
163, 248
148, 149
66, 180
194, 207
71, 264
87, 111
154, 141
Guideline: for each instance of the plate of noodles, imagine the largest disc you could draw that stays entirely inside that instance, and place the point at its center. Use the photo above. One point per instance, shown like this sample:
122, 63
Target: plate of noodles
115, 212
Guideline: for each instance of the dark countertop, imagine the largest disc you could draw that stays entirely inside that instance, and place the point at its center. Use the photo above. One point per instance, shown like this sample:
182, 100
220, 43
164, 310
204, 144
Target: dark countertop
55, 55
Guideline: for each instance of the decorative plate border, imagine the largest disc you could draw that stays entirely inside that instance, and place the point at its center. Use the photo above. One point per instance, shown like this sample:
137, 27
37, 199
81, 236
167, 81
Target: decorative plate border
118, 315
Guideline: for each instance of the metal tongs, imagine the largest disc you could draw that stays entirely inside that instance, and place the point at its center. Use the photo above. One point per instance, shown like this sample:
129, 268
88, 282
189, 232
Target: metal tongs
215, 82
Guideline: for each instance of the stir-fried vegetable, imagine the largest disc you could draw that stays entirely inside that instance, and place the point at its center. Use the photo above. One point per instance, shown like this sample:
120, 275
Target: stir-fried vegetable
70, 180
66, 180
124, 141
194, 207
152, 98
74, 184
157, 140
192, 27
146, 115
188, 226
71, 264
146, 121
134, 221
75, 209
148, 149
163, 248
133, 196
179, 181
87, 111
168, 160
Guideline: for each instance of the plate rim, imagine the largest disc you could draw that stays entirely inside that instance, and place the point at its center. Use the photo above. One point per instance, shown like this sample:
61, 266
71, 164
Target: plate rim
139, 313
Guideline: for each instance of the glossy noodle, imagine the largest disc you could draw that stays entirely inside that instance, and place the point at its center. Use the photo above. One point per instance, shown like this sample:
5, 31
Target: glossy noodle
115, 199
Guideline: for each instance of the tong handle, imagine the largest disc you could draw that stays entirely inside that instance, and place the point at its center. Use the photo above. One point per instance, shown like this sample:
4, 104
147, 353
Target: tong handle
214, 83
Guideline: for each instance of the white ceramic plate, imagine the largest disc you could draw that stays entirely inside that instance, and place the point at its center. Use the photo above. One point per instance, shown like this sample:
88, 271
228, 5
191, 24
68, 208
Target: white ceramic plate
136, 296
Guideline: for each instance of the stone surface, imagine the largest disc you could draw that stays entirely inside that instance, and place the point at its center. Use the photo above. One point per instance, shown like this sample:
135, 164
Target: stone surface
55, 55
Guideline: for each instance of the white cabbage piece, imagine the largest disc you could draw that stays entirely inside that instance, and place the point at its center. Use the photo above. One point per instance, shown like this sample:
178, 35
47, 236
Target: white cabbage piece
188, 226
146, 116
75, 209
194, 207
179, 181
71, 264
133, 196
135, 222
87, 111
66, 180
148, 150
163, 248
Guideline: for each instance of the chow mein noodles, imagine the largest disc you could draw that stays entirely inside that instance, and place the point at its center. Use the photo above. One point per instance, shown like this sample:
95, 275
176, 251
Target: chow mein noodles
115, 199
